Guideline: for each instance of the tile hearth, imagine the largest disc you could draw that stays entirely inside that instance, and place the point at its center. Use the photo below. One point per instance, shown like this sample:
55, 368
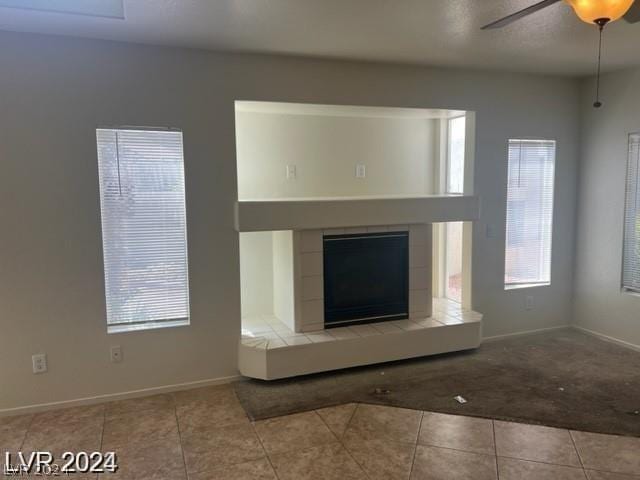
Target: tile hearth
269, 349
203, 434
267, 332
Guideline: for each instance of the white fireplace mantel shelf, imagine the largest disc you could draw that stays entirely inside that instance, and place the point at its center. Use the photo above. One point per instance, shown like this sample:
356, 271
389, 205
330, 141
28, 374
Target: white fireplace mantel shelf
338, 212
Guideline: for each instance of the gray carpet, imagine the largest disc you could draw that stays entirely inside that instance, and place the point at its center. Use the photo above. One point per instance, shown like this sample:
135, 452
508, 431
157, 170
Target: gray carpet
563, 379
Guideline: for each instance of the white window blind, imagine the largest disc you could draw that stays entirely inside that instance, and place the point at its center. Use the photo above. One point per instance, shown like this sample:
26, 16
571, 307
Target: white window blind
142, 200
529, 212
631, 250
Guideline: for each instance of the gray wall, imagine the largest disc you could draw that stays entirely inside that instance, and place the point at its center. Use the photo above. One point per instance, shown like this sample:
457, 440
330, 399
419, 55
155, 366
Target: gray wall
54, 92
600, 306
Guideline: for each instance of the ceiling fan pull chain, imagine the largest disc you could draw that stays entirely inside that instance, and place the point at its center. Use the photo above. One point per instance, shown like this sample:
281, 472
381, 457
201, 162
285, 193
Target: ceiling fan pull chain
598, 103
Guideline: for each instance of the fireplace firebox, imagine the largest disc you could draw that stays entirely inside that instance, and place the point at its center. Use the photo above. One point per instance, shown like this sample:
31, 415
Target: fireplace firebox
366, 278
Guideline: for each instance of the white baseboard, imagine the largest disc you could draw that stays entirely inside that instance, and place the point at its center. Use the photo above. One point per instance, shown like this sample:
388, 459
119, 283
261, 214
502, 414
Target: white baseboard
607, 338
521, 334
116, 396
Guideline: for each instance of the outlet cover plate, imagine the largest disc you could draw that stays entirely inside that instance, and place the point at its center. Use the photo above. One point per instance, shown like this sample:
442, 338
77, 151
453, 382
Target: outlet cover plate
116, 354
39, 363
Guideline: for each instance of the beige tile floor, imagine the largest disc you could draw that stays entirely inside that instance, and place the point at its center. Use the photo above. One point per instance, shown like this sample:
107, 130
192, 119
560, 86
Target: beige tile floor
204, 434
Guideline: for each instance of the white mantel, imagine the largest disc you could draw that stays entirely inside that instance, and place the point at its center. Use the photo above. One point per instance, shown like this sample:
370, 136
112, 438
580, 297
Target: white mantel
344, 212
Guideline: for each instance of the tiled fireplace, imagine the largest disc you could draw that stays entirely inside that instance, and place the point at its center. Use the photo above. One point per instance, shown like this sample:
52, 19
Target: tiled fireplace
299, 335
313, 310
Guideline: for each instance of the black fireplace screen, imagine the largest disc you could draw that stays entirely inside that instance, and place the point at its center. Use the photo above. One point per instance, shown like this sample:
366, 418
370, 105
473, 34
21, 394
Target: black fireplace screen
366, 278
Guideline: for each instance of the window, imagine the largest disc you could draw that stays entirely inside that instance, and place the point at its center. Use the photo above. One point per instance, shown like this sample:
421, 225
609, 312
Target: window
529, 212
455, 156
142, 200
453, 283
453, 230
631, 249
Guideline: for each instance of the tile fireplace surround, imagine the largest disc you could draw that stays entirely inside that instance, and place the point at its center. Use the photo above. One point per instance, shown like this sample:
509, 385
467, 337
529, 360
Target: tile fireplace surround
309, 279
292, 339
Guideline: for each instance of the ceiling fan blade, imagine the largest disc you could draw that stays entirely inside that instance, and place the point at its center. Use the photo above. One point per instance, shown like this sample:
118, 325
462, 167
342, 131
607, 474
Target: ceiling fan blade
633, 14
518, 15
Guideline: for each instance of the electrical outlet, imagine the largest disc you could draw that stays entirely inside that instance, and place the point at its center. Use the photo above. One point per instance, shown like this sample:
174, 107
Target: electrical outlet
528, 302
39, 362
291, 172
116, 354
361, 171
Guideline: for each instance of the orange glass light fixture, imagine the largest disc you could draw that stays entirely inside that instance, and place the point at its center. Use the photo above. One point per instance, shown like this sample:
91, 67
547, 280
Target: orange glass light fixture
600, 11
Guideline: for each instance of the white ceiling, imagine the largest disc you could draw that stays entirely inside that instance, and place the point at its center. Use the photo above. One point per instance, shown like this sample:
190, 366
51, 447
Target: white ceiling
432, 32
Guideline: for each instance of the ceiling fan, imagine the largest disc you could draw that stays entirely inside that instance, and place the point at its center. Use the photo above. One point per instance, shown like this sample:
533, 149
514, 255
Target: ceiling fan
595, 12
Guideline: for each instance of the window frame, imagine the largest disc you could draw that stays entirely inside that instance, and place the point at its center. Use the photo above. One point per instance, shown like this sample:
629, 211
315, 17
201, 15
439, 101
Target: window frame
447, 173
445, 226
623, 288
145, 325
519, 286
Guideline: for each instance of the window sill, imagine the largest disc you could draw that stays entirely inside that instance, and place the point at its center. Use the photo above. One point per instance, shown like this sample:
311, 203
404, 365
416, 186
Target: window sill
629, 291
138, 327
526, 285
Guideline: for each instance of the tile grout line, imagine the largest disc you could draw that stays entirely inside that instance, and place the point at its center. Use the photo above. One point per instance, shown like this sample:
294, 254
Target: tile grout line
354, 460
541, 462
504, 456
327, 426
489, 454
342, 443
495, 448
240, 462
26, 432
184, 459
266, 454
353, 414
104, 422
575, 447
632, 476
251, 423
415, 448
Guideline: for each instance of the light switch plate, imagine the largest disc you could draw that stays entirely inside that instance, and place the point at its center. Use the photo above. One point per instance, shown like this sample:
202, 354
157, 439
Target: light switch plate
291, 172
361, 171
528, 302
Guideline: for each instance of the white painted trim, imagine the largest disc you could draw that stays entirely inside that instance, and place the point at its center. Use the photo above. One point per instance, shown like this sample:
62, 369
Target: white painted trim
347, 212
110, 397
607, 338
292, 108
526, 332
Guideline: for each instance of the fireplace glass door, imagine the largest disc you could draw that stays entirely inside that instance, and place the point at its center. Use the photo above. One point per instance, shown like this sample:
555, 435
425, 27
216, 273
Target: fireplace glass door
366, 278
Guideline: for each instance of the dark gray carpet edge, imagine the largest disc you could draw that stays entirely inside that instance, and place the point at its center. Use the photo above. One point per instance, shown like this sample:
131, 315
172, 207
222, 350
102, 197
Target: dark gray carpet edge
563, 378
